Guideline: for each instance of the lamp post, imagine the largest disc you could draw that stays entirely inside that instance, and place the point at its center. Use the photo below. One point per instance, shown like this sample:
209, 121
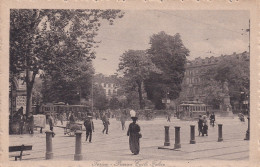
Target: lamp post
248, 118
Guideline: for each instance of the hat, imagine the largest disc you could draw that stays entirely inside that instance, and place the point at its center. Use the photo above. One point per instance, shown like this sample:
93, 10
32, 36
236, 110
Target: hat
132, 113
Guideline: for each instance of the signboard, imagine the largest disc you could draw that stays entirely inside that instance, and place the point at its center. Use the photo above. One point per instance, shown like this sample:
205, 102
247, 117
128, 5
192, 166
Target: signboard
39, 120
21, 85
166, 101
245, 102
21, 102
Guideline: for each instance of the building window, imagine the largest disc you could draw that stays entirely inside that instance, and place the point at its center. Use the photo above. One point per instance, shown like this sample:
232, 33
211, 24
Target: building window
105, 85
109, 92
187, 80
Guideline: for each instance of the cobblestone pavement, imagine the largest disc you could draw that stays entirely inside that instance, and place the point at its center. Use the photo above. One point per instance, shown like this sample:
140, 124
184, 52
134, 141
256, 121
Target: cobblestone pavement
114, 146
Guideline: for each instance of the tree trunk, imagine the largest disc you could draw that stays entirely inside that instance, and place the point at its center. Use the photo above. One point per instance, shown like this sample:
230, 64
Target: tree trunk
139, 83
29, 87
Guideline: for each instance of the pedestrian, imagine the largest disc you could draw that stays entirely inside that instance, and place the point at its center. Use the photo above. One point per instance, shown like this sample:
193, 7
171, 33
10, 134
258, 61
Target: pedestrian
212, 119
134, 134
96, 115
72, 118
200, 124
205, 126
31, 123
22, 119
207, 112
169, 115
61, 118
51, 123
106, 123
89, 125
122, 119
20, 111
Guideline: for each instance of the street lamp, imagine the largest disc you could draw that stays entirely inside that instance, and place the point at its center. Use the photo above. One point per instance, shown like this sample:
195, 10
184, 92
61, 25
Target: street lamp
248, 118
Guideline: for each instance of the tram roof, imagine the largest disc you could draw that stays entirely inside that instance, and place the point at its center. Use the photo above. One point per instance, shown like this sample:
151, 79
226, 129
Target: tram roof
192, 103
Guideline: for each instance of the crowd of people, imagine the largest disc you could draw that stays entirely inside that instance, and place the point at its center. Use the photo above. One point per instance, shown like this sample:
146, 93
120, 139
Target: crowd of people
133, 130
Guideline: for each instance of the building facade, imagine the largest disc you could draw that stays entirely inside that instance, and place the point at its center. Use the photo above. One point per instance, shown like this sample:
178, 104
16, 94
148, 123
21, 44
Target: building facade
17, 95
108, 83
192, 87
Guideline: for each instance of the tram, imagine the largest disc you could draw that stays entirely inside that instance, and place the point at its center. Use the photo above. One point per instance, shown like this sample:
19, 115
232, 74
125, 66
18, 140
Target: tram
60, 107
191, 109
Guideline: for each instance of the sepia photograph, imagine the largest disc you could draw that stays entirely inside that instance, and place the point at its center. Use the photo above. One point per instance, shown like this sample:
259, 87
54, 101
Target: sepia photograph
146, 85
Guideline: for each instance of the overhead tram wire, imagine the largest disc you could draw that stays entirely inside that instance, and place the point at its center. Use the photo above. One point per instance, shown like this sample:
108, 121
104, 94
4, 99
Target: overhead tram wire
200, 22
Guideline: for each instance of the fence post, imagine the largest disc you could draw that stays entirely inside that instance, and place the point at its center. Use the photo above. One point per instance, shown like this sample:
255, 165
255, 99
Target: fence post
177, 137
220, 133
78, 155
192, 134
49, 153
167, 136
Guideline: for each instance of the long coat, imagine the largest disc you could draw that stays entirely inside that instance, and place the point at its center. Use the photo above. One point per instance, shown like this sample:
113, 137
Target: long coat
134, 136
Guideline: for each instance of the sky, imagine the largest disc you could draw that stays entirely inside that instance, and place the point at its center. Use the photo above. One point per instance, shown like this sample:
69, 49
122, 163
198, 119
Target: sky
204, 33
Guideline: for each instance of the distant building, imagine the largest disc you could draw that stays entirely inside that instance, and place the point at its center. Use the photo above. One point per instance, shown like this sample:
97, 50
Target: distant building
17, 94
109, 84
192, 87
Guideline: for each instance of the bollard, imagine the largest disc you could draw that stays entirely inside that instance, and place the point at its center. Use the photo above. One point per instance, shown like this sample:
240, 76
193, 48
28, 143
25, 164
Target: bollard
167, 136
49, 154
78, 155
177, 138
220, 133
192, 134
248, 129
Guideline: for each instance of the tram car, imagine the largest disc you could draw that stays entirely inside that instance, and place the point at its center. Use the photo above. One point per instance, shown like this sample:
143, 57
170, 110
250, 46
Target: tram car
188, 110
79, 111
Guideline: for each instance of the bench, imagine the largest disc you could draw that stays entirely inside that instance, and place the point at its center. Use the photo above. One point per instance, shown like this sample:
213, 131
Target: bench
21, 149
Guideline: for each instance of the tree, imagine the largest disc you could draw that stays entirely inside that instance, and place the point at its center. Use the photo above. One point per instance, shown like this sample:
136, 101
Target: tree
46, 40
114, 103
136, 66
99, 98
69, 85
231, 70
169, 55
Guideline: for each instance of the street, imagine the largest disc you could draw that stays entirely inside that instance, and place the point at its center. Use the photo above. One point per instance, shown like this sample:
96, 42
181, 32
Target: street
115, 146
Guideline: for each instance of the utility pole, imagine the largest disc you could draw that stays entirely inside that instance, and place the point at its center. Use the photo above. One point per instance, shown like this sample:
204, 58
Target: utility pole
249, 37
92, 95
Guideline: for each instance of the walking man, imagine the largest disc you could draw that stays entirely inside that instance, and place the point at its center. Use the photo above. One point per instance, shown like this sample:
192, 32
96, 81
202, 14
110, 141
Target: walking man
212, 119
169, 115
200, 125
31, 123
89, 125
22, 119
122, 119
51, 123
105, 123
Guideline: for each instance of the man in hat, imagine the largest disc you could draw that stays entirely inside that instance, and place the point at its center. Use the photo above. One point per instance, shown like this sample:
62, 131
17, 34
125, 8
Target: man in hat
106, 122
122, 119
31, 123
89, 125
200, 124
134, 134
51, 123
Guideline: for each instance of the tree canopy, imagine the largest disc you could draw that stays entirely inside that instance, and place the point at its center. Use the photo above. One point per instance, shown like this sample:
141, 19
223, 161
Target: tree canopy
47, 40
168, 53
231, 70
136, 66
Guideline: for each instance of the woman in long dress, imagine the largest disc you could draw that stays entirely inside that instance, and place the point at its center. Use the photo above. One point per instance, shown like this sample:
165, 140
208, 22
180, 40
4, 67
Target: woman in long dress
134, 136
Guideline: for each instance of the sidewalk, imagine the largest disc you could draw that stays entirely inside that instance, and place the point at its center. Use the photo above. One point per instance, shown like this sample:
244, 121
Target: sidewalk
115, 146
